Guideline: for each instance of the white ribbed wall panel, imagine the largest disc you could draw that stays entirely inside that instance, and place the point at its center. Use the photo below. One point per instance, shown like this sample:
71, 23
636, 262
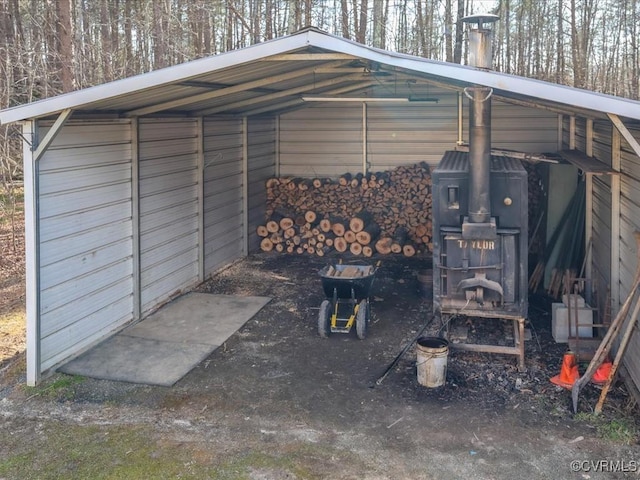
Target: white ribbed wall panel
168, 172
602, 141
524, 129
327, 140
323, 140
261, 137
630, 223
85, 234
223, 224
401, 134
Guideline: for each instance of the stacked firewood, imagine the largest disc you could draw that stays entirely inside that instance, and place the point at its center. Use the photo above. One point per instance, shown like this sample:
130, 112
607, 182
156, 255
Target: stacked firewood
384, 212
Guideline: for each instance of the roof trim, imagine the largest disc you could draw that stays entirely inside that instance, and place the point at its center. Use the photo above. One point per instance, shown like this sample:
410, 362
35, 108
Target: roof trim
562, 94
572, 98
156, 78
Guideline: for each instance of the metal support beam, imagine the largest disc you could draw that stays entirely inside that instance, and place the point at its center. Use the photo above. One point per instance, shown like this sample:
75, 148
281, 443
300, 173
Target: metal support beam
51, 134
624, 131
298, 101
364, 138
309, 56
277, 147
615, 222
460, 118
32, 260
572, 133
158, 107
135, 218
285, 93
588, 215
200, 153
549, 108
560, 132
245, 186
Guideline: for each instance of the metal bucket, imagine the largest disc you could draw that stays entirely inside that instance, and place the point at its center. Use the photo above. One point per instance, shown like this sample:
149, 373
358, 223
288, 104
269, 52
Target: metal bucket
431, 361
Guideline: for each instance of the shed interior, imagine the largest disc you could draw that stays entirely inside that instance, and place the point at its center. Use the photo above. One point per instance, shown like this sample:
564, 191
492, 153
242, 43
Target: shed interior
138, 190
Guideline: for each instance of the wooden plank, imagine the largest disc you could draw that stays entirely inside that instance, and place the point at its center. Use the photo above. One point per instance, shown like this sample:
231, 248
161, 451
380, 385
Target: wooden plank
587, 164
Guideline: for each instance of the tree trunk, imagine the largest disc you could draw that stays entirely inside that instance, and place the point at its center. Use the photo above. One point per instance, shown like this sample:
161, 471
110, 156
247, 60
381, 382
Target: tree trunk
362, 26
344, 12
65, 49
448, 20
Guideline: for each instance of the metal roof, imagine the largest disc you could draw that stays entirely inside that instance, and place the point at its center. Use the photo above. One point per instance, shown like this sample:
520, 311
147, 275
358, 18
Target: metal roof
273, 76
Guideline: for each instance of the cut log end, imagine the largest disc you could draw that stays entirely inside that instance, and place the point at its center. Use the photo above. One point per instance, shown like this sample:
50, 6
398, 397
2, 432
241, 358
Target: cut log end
266, 245
408, 250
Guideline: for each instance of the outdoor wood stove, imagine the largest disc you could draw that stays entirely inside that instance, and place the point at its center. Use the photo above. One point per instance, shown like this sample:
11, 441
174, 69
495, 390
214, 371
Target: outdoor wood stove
480, 222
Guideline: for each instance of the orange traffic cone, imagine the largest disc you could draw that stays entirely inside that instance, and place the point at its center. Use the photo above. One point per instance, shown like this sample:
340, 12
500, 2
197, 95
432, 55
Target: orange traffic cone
568, 372
602, 373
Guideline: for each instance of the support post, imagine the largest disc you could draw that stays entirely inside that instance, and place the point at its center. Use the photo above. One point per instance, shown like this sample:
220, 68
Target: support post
135, 217
364, 138
51, 134
200, 161
572, 132
32, 260
615, 221
588, 214
245, 186
277, 146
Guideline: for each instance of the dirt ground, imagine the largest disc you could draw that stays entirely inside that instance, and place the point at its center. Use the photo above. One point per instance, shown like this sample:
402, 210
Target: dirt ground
279, 402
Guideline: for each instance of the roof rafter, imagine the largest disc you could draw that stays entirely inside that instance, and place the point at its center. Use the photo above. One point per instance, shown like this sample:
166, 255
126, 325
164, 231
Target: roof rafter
223, 91
275, 96
309, 57
298, 101
624, 131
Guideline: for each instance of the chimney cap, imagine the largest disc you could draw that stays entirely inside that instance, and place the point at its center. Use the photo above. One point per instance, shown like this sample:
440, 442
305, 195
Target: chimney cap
480, 19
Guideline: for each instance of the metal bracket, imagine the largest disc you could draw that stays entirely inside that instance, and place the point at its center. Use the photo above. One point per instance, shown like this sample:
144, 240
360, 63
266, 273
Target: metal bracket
24, 139
51, 134
470, 97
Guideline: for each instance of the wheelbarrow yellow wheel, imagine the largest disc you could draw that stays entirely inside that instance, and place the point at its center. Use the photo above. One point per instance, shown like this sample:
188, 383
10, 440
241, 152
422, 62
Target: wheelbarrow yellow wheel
362, 319
324, 319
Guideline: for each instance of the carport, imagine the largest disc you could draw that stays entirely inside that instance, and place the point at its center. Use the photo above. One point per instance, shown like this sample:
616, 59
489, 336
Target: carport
138, 190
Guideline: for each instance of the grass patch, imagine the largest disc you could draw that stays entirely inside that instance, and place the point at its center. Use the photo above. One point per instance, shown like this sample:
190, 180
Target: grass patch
617, 430
99, 452
61, 387
56, 450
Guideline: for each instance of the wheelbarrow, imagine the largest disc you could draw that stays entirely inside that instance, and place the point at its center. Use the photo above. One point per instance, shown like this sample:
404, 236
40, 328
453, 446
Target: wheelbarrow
347, 290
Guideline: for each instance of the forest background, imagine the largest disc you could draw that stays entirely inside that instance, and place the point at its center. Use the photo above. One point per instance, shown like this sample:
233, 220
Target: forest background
48, 47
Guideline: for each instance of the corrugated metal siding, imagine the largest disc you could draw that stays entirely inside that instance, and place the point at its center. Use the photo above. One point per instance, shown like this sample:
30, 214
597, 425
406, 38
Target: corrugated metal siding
321, 140
521, 128
601, 209
601, 244
581, 134
326, 140
262, 160
168, 152
223, 226
566, 132
602, 222
85, 228
602, 132
402, 134
630, 223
